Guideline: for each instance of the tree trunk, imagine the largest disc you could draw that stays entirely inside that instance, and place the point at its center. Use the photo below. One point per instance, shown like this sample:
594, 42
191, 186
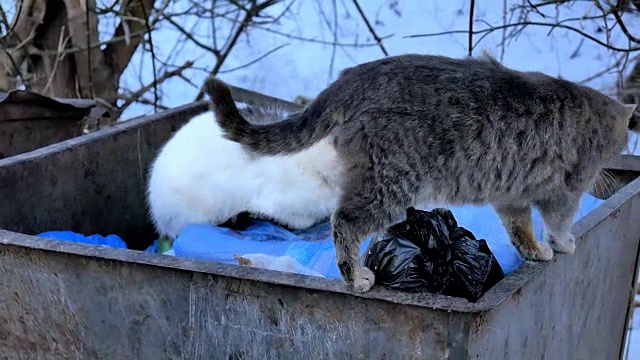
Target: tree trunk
48, 72
54, 49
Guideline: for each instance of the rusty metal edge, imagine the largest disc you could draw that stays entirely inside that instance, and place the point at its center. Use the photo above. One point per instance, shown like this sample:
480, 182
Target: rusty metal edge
625, 162
631, 306
490, 299
192, 109
521, 276
29, 95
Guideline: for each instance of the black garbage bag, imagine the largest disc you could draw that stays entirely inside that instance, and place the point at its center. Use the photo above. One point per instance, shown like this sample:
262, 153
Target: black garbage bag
430, 252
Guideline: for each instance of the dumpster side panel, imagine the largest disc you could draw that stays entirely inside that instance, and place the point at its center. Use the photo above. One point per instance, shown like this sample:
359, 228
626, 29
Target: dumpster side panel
576, 307
22, 136
90, 184
81, 307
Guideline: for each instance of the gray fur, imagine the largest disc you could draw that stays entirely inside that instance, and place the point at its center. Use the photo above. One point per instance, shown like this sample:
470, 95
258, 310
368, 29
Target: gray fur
418, 128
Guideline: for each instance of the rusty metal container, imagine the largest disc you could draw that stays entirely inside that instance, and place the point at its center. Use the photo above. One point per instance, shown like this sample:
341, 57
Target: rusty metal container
29, 120
73, 301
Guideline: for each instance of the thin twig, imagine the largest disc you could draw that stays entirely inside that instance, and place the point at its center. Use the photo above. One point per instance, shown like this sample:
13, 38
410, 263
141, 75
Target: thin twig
254, 60
322, 42
371, 30
145, 101
504, 31
250, 13
623, 27
334, 48
154, 85
526, 23
535, 8
189, 36
471, 10
601, 73
62, 43
156, 96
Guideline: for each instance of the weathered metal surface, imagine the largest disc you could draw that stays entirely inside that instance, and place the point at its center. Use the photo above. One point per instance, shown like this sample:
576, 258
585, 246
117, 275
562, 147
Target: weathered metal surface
92, 183
67, 300
29, 120
575, 307
97, 307
62, 174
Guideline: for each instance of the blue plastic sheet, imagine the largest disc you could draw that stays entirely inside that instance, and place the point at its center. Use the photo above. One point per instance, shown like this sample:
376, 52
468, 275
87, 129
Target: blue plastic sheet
95, 239
313, 248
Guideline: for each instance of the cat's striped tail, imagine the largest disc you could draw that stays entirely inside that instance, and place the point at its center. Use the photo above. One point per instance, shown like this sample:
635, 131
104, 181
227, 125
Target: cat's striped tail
299, 131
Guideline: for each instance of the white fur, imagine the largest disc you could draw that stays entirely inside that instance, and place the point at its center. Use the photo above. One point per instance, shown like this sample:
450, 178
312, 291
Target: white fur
199, 177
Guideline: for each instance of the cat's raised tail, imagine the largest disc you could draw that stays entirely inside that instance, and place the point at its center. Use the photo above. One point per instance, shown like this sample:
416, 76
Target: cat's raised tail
298, 132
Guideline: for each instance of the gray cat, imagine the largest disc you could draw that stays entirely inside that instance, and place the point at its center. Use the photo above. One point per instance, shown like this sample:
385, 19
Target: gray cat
412, 129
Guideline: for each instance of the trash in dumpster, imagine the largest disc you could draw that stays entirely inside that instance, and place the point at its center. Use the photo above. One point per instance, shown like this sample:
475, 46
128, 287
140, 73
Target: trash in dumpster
110, 240
429, 252
268, 245
313, 247
284, 263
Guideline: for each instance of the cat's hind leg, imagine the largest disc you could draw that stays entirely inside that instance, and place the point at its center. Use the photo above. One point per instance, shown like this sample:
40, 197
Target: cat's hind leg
517, 221
558, 214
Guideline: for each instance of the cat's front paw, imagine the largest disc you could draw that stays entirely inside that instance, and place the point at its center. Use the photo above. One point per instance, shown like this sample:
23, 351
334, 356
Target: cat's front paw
541, 252
565, 245
363, 280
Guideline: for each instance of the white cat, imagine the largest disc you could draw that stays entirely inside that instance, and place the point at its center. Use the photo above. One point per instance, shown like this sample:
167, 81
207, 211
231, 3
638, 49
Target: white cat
200, 177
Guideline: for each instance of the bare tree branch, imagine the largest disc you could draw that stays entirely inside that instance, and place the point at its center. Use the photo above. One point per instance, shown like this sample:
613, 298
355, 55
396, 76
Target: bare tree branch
371, 29
250, 13
254, 60
529, 23
192, 38
623, 27
133, 97
472, 7
145, 101
323, 42
118, 54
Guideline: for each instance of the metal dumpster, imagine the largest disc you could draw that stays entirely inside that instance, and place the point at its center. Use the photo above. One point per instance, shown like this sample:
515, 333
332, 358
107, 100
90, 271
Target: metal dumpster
65, 300
29, 120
